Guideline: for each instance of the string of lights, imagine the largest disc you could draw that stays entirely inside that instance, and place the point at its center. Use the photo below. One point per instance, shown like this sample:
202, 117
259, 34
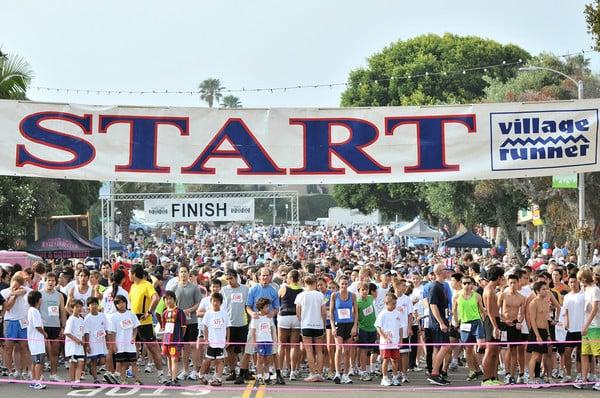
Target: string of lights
284, 89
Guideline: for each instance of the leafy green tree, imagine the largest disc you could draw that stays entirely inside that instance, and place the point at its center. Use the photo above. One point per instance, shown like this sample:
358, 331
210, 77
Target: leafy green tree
385, 82
211, 91
231, 101
592, 19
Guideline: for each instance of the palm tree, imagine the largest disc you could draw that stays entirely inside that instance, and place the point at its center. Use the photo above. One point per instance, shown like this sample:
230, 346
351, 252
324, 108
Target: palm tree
231, 101
210, 90
15, 76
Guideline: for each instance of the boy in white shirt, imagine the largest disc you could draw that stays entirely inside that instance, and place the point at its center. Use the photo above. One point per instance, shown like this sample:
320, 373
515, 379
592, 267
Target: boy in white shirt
95, 326
388, 324
216, 331
262, 329
74, 344
124, 324
36, 338
405, 307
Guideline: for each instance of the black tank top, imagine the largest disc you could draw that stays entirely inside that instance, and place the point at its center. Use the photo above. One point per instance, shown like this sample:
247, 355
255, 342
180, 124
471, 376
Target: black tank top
288, 305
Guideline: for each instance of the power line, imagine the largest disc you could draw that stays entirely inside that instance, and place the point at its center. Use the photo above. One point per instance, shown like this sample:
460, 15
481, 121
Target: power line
460, 71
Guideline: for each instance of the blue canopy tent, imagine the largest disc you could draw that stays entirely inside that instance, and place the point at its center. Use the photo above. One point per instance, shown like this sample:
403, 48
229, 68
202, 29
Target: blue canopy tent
467, 239
113, 246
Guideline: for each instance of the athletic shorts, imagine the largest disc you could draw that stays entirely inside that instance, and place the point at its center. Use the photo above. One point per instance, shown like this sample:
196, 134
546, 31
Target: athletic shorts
52, 332
96, 357
513, 335
288, 322
191, 332
238, 336
215, 353
38, 359
145, 334
76, 358
390, 353
573, 339
453, 332
312, 333
437, 336
13, 330
474, 333
534, 346
125, 357
588, 345
264, 349
366, 340
171, 350
344, 330
405, 347
489, 329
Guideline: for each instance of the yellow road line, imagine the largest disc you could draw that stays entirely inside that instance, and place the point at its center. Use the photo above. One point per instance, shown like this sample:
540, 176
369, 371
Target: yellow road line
261, 392
248, 391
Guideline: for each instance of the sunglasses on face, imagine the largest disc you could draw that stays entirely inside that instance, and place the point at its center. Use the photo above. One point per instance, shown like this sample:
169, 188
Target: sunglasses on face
466, 283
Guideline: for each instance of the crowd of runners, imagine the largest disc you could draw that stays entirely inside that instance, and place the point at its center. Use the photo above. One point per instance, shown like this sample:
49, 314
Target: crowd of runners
236, 303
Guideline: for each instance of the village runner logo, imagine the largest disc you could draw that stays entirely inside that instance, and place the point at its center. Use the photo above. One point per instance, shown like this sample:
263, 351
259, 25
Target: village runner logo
546, 139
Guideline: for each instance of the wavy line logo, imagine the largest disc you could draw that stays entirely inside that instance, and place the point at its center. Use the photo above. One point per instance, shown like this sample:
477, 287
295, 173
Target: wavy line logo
540, 140
544, 139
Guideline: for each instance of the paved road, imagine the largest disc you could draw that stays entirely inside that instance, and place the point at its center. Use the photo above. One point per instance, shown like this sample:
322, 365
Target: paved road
418, 387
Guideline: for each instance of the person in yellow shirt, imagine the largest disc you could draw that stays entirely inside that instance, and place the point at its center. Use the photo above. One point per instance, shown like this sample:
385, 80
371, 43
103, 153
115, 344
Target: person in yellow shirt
144, 299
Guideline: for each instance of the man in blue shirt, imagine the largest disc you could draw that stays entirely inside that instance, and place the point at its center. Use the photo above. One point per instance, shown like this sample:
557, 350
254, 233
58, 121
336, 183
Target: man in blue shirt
263, 289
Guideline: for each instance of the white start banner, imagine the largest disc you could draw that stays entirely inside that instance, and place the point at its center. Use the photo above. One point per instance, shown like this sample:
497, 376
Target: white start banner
201, 209
299, 145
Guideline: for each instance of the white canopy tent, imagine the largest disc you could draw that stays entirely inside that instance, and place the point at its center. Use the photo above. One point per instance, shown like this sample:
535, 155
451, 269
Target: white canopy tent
419, 229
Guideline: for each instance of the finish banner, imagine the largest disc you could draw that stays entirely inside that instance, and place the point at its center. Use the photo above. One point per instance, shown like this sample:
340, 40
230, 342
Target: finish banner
298, 146
201, 209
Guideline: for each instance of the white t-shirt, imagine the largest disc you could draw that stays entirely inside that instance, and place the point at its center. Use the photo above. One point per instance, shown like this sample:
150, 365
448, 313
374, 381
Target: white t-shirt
404, 307
525, 291
107, 300
96, 326
18, 311
75, 328
592, 293
311, 303
263, 326
574, 303
379, 302
217, 323
35, 340
390, 323
122, 325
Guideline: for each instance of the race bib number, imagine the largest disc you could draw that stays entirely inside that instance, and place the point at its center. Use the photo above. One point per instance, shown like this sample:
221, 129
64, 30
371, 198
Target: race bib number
80, 329
236, 298
265, 327
368, 311
343, 313
24, 323
100, 334
465, 327
126, 324
503, 335
169, 327
53, 310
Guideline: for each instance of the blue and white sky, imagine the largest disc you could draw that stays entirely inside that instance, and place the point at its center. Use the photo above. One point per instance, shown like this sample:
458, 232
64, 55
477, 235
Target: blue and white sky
157, 45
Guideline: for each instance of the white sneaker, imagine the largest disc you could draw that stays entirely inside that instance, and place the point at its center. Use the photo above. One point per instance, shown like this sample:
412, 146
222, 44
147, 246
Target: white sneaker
396, 381
566, 379
403, 378
596, 386
385, 381
182, 375
148, 368
346, 379
15, 375
39, 386
56, 379
293, 376
507, 378
193, 375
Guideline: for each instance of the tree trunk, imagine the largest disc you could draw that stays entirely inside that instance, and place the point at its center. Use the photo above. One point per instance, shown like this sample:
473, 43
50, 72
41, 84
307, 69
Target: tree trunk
507, 220
126, 208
